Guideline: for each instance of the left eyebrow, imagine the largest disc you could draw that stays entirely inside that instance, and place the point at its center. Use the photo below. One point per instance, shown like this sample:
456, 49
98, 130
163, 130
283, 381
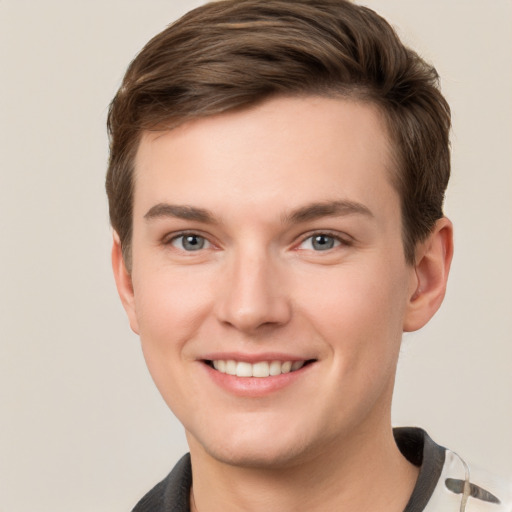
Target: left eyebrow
327, 209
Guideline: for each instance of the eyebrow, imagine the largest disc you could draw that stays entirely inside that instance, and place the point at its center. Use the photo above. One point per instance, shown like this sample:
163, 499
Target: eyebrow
303, 214
327, 209
180, 212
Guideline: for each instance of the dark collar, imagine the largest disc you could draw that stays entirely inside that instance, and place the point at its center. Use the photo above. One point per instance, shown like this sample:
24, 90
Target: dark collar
173, 493
417, 447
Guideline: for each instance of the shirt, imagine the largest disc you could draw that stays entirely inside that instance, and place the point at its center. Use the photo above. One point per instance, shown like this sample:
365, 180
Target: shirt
445, 482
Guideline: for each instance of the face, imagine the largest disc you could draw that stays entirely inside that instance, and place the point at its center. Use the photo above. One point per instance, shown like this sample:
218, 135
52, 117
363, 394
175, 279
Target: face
269, 285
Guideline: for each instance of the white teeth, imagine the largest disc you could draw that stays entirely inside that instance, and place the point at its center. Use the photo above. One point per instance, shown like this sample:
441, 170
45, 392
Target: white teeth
286, 367
244, 369
231, 367
260, 369
275, 368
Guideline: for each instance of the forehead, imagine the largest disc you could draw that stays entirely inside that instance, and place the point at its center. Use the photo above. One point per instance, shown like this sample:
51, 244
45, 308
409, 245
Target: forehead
276, 155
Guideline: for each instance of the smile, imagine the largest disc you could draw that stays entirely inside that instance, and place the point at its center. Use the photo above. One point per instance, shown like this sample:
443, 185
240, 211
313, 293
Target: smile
259, 369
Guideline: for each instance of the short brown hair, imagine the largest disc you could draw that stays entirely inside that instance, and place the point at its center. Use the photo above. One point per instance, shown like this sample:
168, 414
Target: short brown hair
232, 54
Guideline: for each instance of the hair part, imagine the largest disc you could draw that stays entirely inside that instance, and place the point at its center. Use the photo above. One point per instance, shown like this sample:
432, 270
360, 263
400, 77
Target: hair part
233, 54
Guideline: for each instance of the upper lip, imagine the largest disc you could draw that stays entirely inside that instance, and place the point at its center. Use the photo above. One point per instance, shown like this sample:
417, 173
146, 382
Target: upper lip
253, 358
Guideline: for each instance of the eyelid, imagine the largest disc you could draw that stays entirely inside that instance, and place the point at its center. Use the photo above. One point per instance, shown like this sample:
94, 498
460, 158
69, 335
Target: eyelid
169, 238
342, 238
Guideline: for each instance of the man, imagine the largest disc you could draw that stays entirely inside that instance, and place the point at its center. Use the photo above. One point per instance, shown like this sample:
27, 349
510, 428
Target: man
276, 181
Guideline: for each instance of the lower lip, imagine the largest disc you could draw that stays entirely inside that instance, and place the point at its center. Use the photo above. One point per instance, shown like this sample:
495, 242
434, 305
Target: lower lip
255, 386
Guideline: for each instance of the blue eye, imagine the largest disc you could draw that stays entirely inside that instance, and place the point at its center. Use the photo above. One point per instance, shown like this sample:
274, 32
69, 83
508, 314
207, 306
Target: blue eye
190, 242
320, 242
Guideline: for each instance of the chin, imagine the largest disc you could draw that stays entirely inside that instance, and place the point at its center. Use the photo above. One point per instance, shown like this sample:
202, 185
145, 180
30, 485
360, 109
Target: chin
256, 448
255, 457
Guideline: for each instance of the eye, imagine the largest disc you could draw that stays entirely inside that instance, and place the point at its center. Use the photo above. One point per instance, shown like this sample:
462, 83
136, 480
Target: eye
190, 242
320, 242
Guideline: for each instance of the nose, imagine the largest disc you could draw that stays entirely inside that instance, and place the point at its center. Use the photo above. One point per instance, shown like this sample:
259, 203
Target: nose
253, 294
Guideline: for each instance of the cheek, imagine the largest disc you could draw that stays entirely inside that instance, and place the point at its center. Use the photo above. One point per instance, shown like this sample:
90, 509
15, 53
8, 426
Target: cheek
359, 311
171, 311
360, 318
170, 308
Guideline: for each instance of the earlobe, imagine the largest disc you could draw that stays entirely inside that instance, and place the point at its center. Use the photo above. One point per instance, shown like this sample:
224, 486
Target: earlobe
433, 259
124, 283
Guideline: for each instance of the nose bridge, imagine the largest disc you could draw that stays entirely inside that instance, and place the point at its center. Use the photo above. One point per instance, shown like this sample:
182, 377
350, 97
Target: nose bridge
254, 295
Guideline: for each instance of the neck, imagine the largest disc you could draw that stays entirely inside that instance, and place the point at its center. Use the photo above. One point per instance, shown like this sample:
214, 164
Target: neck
363, 473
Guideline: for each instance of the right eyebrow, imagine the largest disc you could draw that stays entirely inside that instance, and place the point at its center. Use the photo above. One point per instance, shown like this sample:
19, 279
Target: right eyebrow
180, 212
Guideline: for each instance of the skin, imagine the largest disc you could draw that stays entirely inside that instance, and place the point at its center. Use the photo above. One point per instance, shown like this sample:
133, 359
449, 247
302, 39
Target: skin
259, 286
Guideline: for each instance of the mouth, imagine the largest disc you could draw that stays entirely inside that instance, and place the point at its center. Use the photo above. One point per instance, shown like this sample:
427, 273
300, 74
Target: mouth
260, 369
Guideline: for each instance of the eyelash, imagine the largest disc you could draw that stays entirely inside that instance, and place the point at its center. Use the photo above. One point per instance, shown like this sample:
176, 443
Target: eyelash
339, 241
177, 236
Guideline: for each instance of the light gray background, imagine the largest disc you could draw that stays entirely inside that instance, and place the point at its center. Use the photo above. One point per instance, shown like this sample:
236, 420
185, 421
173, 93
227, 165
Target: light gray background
82, 428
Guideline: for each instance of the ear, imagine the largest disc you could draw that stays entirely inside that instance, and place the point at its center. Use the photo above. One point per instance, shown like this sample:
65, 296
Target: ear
124, 284
433, 260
